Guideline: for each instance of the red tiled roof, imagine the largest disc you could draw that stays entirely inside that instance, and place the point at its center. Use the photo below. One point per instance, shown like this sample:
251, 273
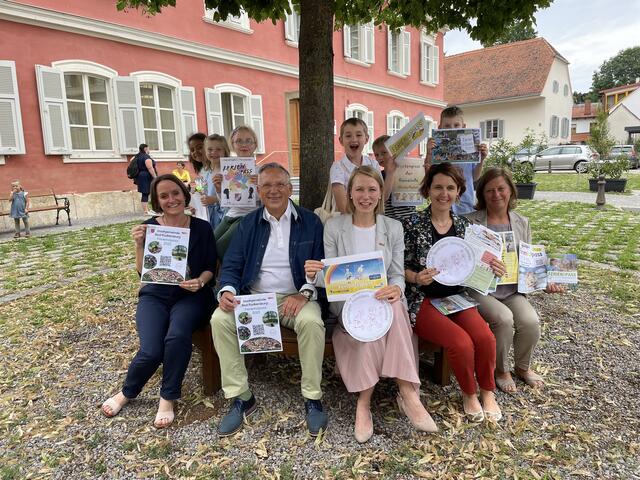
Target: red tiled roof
629, 86
512, 70
578, 111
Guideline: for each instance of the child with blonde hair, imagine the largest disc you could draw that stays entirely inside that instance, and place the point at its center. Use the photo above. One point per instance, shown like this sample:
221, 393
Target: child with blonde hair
19, 208
215, 147
244, 143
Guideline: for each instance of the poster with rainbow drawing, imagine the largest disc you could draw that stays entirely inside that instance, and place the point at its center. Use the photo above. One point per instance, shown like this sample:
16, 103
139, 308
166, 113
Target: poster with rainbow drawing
238, 188
344, 276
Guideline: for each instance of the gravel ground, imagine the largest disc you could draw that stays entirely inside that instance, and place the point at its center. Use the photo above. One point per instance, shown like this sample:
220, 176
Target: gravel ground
66, 350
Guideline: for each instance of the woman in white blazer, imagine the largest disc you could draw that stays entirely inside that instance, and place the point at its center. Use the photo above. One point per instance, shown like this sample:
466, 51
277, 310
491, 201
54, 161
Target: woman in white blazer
361, 364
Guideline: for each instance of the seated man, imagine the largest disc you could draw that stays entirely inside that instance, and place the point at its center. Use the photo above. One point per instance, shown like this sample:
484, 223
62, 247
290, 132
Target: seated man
267, 255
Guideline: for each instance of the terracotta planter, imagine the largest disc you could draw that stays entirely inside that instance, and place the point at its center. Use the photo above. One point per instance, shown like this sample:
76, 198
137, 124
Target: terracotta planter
611, 185
526, 190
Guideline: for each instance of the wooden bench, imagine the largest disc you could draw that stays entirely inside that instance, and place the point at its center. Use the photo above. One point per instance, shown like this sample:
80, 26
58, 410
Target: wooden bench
440, 373
42, 202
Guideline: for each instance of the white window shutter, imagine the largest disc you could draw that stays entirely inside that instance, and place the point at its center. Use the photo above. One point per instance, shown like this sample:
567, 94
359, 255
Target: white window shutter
53, 111
369, 43
129, 113
290, 28
11, 134
256, 121
483, 130
369, 117
346, 35
436, 63
214, 111
406, 52
389, 49
423, 61
500, 128
348, 113
189, 115
389, 124
406, 120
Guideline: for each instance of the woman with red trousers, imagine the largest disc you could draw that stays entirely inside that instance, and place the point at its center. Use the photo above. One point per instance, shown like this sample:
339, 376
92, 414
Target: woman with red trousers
465, 336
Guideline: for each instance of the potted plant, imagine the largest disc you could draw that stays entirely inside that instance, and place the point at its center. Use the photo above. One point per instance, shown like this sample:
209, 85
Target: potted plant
523, 174
613, 170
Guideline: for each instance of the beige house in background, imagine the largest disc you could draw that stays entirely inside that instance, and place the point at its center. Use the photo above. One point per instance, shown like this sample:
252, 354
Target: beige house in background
624, 118
507, 89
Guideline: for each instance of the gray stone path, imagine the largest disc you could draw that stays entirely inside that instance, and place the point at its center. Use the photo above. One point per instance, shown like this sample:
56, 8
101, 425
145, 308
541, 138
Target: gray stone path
626, 202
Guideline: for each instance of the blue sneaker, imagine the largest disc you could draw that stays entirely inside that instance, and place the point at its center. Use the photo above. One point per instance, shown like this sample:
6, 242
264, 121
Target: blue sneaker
317, 419
233, 420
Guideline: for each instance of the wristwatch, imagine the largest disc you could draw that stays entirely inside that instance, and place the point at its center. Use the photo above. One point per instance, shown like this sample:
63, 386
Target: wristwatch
308, 294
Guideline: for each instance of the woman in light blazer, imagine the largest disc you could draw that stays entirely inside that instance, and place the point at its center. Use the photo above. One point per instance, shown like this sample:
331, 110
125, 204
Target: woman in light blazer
509, 314
361, 364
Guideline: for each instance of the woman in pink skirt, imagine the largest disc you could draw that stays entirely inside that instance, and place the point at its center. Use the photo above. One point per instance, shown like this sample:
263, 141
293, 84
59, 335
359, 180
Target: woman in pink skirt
361, 364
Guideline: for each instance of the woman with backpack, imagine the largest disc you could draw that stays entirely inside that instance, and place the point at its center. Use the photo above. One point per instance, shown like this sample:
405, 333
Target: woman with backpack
146, 173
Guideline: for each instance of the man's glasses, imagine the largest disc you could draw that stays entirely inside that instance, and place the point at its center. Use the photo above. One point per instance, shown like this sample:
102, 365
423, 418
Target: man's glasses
274, 186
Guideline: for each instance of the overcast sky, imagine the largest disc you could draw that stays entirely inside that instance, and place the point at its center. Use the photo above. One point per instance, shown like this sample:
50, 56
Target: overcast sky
585, 32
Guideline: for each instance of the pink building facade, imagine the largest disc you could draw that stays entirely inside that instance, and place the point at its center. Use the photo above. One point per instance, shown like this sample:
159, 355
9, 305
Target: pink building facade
81, 85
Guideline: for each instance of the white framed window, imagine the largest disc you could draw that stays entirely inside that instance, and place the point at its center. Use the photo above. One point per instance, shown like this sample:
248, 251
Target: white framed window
359, 43
235, 22
11, 133
429, 125
357, 110
89, 112
429, 59
230, 106
292, 26
554, 126
399, 51
492, 129
159, 117
395, 121
556, 86
564, 133
566, 90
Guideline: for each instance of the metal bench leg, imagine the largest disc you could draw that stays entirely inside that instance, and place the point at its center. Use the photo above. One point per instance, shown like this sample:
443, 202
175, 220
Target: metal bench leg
69, 216
57, 216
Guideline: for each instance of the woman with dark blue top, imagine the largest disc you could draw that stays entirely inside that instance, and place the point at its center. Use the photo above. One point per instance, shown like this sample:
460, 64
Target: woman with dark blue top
146, 173
167, 315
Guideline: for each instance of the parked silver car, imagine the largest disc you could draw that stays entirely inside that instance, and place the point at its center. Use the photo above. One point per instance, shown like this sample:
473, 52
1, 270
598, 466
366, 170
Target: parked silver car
564, 157
629, 151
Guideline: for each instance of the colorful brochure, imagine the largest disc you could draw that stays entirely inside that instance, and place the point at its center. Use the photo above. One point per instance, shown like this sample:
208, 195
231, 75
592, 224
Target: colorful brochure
238, 190
487, 245
456, 145
258, 323
408, 137
406, 182
509, 258
344, 276
453, 303
165, 255
532, 271
563, 270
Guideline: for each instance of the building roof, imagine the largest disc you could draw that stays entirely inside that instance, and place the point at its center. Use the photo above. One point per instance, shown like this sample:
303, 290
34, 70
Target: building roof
518, 69
631, 102
621, 88
578, 110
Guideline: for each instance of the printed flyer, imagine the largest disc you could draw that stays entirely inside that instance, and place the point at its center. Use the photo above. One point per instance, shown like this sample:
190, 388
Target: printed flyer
487, 245
453, 303
532, 272
408, 137
165, 255
238, 190
344, 276
258, 323
406, 182
563, 270
456, 145
509, 258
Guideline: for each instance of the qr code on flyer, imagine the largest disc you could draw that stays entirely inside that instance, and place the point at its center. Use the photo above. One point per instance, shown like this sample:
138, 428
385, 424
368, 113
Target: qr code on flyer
165, 261
258, 329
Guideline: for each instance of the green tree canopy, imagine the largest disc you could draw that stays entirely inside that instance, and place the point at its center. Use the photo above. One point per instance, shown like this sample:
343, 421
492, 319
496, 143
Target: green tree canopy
483, 20
514, 32
620, 69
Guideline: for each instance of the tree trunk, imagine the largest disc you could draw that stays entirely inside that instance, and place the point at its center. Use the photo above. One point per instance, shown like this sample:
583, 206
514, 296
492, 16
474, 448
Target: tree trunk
315, 49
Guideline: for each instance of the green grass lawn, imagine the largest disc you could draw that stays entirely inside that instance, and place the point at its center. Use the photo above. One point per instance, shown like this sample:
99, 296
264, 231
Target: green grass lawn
574, 182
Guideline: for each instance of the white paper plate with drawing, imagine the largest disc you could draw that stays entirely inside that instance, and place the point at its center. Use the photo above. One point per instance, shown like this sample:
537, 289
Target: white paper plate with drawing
365, 318
454, 258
